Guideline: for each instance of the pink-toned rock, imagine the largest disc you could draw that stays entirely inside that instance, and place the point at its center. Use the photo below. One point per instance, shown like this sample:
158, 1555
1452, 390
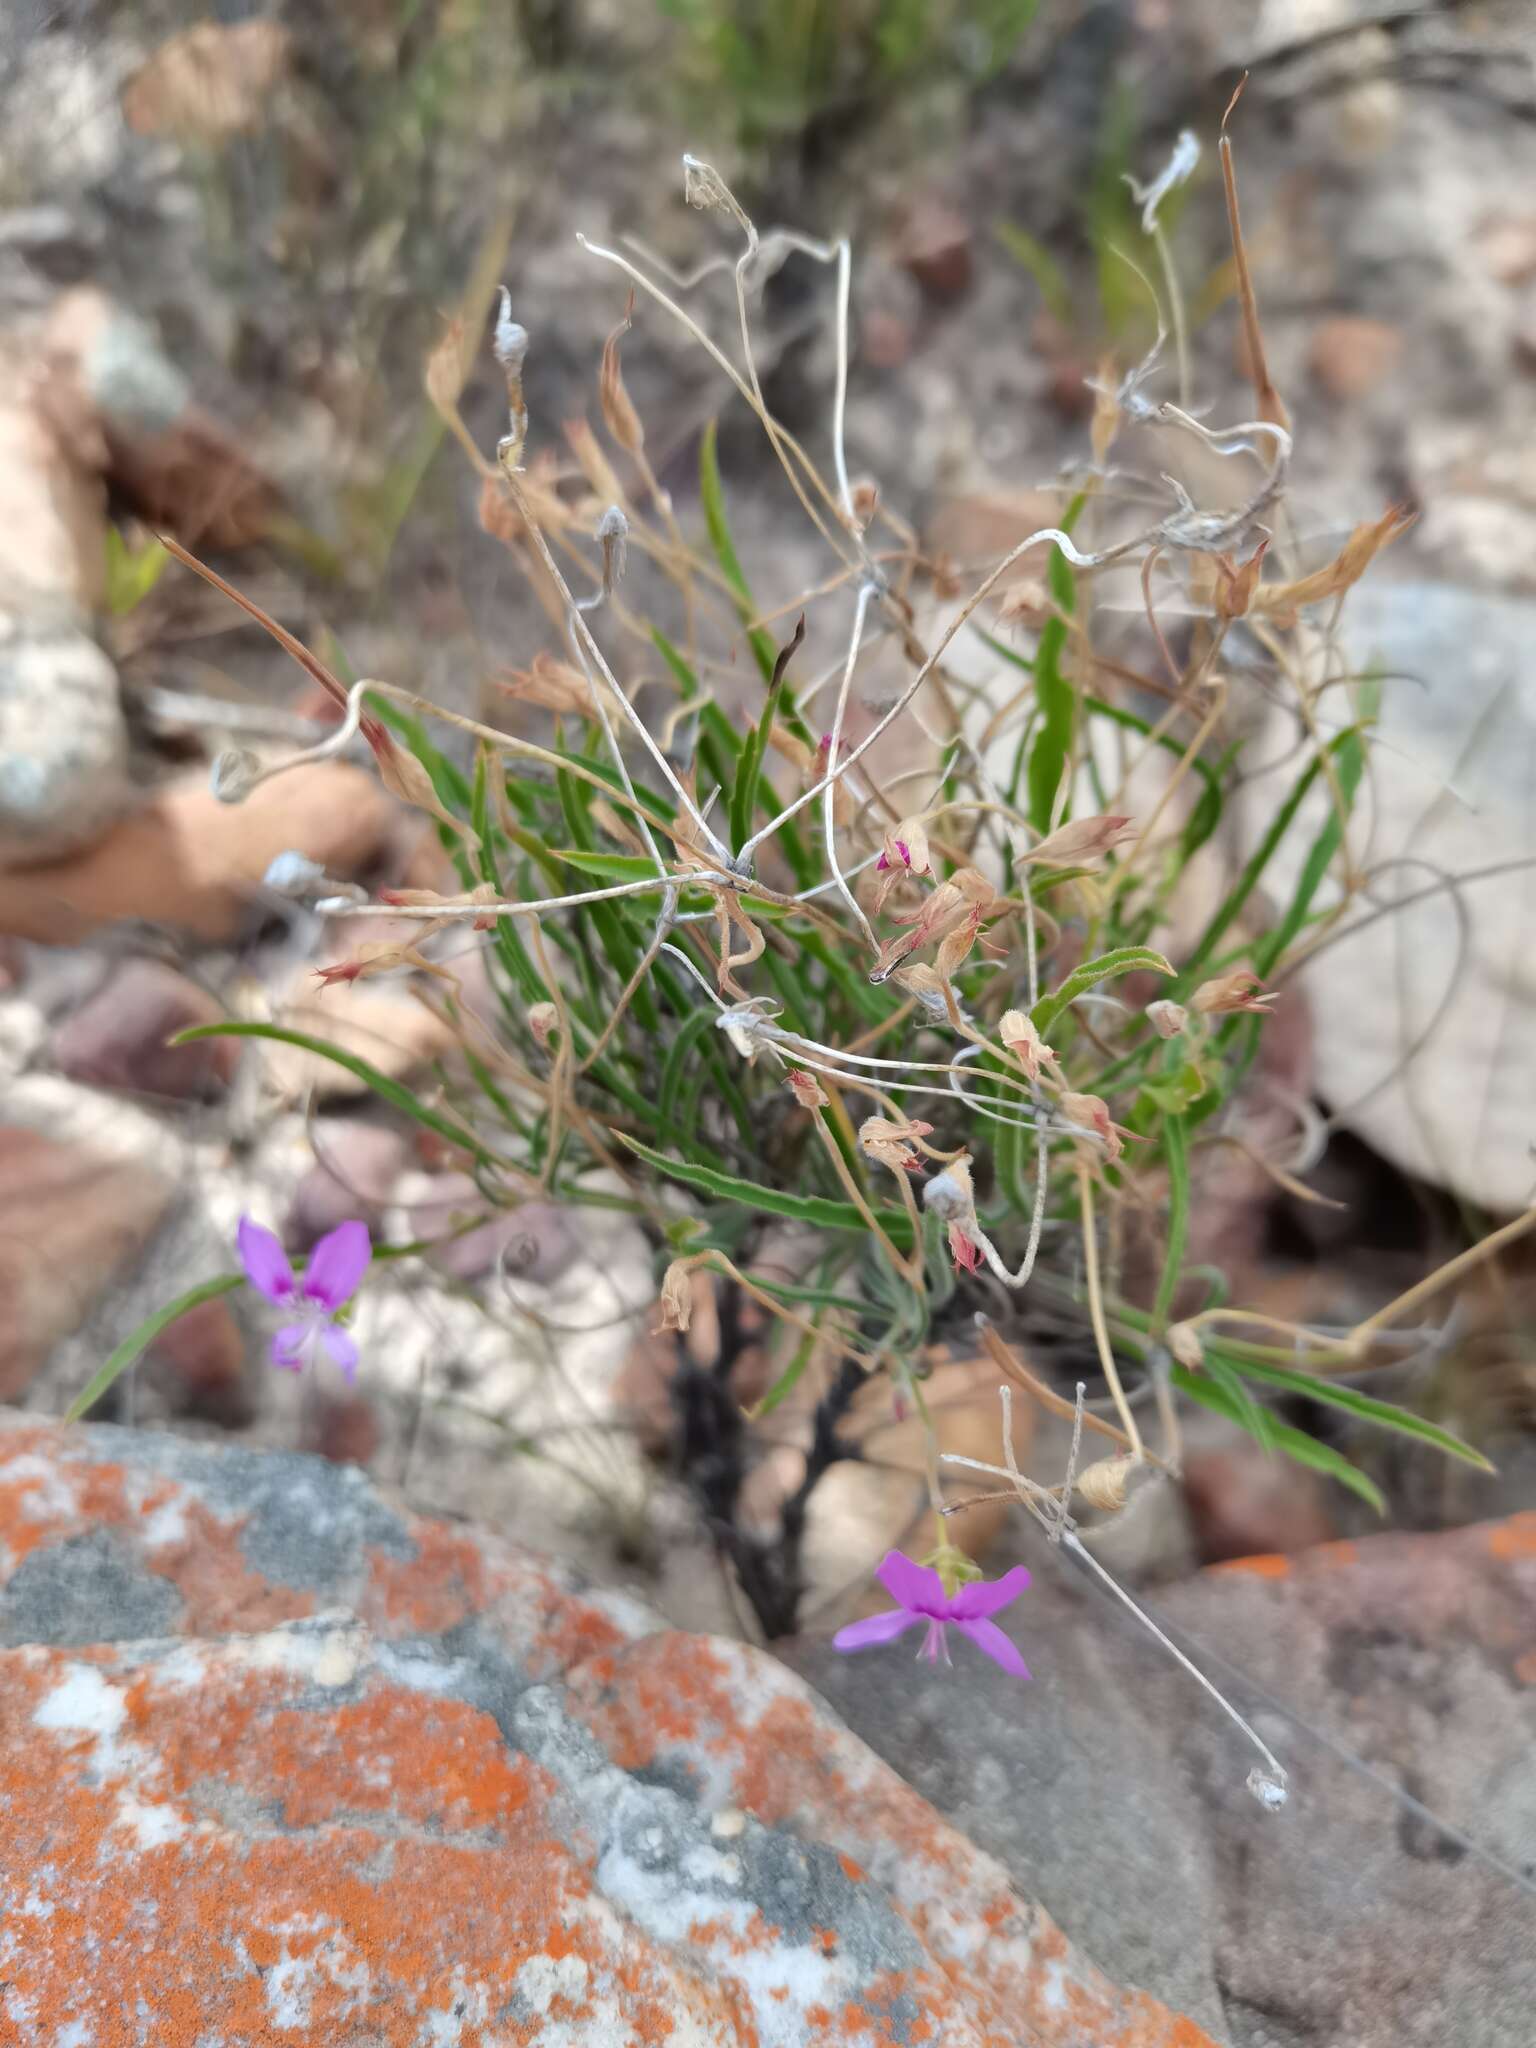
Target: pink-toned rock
534, 1241
934, 248
205, 1364
343, 1428
68, 1221
126, 410
1243, 1500
119, 1038
188, 861
354, 1820
1351, 356
355, 1170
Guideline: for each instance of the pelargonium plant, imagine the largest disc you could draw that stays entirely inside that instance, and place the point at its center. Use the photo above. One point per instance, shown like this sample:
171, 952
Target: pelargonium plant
909, 965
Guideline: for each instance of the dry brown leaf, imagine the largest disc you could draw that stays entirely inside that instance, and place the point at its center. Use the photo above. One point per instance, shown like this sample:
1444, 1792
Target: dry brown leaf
210, 83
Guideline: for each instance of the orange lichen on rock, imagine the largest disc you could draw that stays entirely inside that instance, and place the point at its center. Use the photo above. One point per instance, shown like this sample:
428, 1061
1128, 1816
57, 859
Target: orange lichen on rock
352, 1776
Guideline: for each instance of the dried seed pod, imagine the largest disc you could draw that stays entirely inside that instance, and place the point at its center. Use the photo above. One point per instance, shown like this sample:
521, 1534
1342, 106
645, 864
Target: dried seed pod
1183, 1340
1103, 1484
619, 415
543, 1021
236, 771
676, 1297
806, 1089
1167, 1019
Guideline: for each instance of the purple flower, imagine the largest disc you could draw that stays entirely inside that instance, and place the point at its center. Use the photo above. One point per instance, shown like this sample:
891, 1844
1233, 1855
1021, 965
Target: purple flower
901, 846
337, 1263
920, 1596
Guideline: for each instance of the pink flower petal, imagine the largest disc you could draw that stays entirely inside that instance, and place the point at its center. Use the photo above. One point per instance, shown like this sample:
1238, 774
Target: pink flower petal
336, 1265
879, 1628
988, 1596
265, 1262
342, 1350
290, 1346
916, 1587
989, 1638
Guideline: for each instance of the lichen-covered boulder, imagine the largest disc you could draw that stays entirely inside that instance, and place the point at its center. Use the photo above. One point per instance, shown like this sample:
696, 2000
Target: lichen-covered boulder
281, 1763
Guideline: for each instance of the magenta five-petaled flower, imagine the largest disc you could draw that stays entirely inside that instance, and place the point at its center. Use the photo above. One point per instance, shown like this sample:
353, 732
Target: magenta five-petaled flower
919, 1594
336, 1265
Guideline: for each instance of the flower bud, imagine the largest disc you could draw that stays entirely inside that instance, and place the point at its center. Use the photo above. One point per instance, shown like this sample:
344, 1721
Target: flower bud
543, 1022
676, 1297
806, 1089
236, 772
949, 1194
1084, 840
1229, 992
1025, 1043
1103, 1484
1183, 1340
619, 415
1167, 1019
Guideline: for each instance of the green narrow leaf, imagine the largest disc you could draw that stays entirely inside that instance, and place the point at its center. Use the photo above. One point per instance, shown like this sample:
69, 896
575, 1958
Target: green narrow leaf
1295, 1443
712, 493
1385, 1413
817, 1209
744, 795
785, 1384
1351, 766
1123, 960
1176, 1156
1042, 267
1206, 815
132, 1348
1054, 694
381, 1085
1248, 880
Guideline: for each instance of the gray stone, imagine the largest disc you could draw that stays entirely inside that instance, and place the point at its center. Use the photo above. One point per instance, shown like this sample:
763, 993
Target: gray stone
376, 1777
1390, 1904
63, 740
1425, 1018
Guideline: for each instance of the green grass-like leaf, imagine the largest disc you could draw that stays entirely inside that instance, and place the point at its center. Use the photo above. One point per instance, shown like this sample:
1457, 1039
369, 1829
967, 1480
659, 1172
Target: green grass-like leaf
712, 495
1295, 1443
1386, 1414
817, 1209
1056, 732
1124, 960
381, 1085
132, 1348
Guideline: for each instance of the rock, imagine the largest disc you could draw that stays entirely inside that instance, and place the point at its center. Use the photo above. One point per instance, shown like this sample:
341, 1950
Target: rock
188, 861
209, 83
1351, 357
68, 1219
1423, 1025
63, 741
342, 1428
356, 1167
1507, 244
1243, 1501
533, 1242
56, 241
204, 1358
387, 1781
53, 517
119, 1038
934, 248
114, 394
395, 1034
1114, 1792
